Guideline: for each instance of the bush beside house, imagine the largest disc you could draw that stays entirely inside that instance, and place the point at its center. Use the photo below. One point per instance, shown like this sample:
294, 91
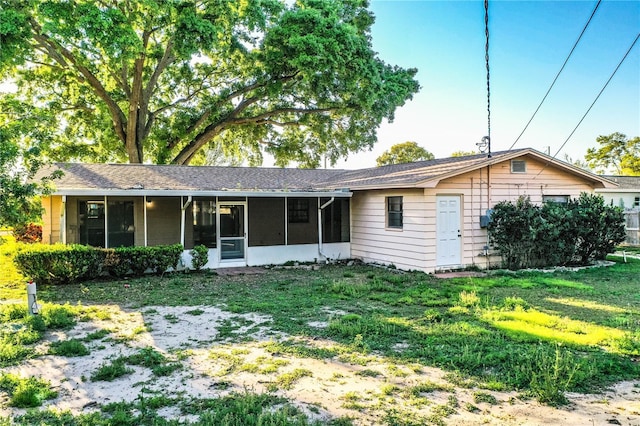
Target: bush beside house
61, 264
554, 234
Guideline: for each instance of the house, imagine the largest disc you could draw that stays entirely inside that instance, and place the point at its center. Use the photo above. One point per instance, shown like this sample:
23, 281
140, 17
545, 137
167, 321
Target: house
627, 196
428, 215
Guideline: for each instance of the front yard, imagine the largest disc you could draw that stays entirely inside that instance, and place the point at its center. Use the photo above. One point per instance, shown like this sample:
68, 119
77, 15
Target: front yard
342, 345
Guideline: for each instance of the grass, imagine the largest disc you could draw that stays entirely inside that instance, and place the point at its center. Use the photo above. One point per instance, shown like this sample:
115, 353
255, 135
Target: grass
538, 334
485, 329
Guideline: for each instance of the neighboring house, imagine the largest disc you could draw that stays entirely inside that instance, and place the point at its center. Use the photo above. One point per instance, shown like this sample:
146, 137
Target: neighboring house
429, 215
625, 195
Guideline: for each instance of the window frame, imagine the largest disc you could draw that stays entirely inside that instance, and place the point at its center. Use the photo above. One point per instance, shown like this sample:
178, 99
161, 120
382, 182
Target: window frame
524, 166
397, 214
298, 210
558, 199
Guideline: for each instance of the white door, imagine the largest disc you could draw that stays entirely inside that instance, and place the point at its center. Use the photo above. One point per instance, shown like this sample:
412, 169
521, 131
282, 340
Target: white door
449, 232
232, 234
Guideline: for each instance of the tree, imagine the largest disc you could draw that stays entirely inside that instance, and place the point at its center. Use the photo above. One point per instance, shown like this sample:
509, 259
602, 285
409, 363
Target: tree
159, 80
463, 153
406, 152
615, 152
21, 124
18, 190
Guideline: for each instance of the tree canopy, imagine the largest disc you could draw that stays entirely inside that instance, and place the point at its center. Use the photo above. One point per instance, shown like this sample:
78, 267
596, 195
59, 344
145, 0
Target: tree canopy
616, 152
18, 190
406, 152
163, 81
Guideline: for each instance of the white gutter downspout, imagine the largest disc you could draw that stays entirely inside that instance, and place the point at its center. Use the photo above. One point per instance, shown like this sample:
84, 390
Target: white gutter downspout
183, 218
320, 208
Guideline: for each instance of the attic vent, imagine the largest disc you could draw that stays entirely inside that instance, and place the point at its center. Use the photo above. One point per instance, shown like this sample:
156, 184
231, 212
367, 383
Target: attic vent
518, 166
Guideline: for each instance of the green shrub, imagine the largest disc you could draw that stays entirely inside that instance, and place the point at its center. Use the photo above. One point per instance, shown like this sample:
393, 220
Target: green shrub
530, 236
58, 264
199, 257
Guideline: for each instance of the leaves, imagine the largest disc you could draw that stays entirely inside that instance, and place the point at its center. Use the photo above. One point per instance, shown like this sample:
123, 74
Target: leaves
167, 81
616, 152
406, 152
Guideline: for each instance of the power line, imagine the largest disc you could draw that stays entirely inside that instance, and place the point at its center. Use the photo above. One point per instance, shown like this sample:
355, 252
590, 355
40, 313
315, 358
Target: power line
557, 75
486, 58
594, 101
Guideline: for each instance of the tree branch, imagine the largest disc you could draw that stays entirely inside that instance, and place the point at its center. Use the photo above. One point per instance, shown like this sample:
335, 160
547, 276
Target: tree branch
62, 55
199, 122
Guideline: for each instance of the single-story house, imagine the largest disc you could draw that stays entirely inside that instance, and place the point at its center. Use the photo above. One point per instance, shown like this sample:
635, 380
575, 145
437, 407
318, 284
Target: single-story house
428, 215
625, 195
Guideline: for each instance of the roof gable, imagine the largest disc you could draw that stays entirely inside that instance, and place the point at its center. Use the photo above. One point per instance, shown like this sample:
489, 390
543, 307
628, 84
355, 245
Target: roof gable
427, 174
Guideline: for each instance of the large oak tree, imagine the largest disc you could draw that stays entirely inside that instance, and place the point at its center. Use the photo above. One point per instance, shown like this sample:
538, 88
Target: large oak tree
165, 80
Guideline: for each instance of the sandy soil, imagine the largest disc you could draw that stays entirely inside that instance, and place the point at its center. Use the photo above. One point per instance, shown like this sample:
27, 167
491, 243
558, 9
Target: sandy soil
335, 388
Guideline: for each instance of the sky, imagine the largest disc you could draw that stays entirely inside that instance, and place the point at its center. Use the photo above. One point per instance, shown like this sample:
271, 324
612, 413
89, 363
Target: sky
529, 41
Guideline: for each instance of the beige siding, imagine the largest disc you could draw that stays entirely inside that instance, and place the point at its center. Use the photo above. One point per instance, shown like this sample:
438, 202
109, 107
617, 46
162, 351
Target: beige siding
51, 219
372, 241
414, 247
480, 192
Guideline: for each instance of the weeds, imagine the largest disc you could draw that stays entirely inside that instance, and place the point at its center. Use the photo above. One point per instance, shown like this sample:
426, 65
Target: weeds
26, 393
110, 371
70, 348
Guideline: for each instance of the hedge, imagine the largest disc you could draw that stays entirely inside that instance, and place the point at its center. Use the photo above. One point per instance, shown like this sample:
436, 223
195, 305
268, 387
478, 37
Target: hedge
61, 264
576, 233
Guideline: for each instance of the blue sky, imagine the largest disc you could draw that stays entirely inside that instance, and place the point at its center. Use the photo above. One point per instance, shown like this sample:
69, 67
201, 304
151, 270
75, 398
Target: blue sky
529, 41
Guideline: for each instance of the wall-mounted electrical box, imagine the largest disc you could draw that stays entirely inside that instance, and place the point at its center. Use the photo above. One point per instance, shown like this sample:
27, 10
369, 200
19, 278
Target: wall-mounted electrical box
485, 219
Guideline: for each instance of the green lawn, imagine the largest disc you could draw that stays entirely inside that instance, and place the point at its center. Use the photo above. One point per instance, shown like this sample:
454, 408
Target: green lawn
538, 334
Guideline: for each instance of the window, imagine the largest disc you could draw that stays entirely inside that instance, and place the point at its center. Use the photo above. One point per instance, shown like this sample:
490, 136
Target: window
518, 166
636, 202
560, 199
298, 210
394, 212
204, 223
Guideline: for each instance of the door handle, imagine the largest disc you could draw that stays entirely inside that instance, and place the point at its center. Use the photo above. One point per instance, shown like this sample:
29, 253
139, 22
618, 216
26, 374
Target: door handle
459, 234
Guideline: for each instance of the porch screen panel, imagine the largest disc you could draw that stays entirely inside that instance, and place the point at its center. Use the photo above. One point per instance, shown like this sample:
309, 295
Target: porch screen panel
335, 221
302, 220
91, 222
121, 225
204, 222
266, 222
163, 218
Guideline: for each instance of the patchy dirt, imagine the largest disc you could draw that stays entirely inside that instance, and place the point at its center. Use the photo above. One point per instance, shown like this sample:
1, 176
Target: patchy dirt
365, 389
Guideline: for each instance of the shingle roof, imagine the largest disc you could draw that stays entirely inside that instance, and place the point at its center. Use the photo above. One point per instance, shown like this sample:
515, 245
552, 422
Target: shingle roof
625, 182
188, 178
145, 177
410, 174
